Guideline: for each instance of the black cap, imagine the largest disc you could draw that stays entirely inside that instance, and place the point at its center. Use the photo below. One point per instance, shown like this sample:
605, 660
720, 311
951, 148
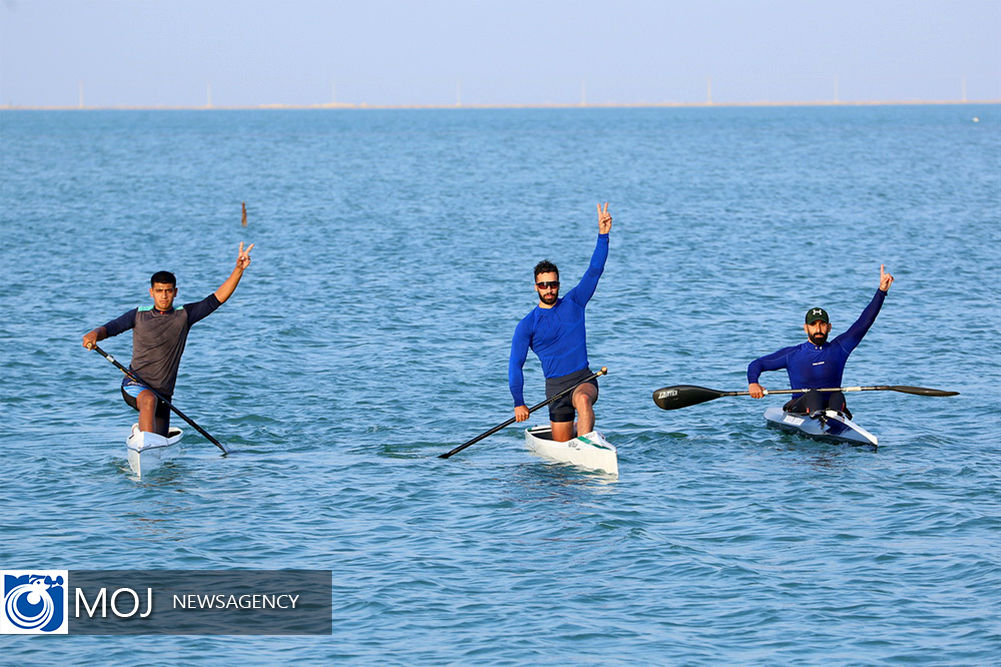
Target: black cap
815, 314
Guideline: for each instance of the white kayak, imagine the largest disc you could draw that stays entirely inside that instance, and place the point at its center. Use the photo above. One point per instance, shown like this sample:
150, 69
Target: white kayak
147, 451
589, 451
829, 425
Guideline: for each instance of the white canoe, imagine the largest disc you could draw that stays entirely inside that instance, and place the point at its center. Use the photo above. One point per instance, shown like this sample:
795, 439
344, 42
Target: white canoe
829, 425
147, 451
589, 451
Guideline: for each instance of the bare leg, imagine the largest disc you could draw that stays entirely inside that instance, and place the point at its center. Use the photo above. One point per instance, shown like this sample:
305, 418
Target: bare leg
583, 400
562, 431
147, 410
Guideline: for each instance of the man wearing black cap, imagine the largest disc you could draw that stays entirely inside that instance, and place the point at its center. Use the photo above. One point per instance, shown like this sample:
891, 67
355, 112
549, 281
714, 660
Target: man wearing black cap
818, 363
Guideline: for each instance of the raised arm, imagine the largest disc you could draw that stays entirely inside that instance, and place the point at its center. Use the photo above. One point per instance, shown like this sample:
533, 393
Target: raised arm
242, 262
584, 290
850, 339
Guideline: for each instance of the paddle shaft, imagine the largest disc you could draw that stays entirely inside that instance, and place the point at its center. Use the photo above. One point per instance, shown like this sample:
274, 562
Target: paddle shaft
880, 387
132, 374
684, 395
512, 420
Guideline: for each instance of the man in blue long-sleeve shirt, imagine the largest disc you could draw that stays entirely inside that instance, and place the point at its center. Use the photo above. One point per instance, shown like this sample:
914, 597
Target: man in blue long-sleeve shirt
817, 363
555, 331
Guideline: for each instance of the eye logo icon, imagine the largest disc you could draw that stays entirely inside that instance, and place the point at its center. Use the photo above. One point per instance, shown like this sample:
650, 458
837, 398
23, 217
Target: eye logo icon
34, 602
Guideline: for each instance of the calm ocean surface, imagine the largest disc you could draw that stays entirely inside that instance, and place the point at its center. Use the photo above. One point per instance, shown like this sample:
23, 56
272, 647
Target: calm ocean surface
393, 260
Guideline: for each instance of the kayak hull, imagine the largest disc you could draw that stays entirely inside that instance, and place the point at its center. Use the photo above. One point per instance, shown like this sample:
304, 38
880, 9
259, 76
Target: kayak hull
590, 451
826, 425
147, 451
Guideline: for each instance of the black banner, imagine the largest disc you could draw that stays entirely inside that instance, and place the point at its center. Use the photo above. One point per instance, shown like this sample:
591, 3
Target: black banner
199, 602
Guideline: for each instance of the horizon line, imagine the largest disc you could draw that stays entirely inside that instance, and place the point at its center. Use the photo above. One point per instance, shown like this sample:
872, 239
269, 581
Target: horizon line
546, 105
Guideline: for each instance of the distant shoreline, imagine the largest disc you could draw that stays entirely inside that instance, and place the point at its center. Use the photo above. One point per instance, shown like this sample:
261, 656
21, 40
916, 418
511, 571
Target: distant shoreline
458, 107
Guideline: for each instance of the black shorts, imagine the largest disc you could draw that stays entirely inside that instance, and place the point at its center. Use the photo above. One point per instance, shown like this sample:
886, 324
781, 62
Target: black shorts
811, 401
161, 418
563, 410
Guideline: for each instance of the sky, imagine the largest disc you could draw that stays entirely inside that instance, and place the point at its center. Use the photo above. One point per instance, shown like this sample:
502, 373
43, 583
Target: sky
439, 52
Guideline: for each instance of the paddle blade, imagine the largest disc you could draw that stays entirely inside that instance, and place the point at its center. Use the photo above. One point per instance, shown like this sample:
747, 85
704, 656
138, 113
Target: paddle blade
923, 391
683, 395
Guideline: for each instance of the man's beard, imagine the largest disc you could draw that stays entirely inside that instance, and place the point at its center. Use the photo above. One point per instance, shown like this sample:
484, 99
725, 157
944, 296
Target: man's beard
818, 338
549, 299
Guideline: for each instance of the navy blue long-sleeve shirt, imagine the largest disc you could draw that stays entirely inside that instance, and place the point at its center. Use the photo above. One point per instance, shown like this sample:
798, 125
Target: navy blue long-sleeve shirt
557, 334
813, 367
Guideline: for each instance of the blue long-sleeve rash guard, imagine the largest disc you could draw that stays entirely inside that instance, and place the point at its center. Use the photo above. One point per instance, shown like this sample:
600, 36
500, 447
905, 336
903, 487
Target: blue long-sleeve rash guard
557, 334
812, 367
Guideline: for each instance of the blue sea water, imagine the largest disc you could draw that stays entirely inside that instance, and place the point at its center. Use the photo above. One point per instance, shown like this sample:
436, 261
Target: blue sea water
393, 259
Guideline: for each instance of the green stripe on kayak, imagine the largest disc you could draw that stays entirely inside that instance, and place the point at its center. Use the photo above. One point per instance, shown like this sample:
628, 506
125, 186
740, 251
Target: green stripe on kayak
592, 443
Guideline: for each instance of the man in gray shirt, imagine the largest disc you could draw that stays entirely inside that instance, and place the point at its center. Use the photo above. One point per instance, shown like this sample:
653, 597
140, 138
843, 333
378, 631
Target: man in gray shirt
159, 333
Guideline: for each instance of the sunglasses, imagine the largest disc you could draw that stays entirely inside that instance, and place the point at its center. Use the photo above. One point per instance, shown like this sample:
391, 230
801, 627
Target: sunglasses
548, 284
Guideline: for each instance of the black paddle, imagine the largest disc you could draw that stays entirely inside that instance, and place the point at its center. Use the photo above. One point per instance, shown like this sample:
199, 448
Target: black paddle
683, 395
532, 409
132, 374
